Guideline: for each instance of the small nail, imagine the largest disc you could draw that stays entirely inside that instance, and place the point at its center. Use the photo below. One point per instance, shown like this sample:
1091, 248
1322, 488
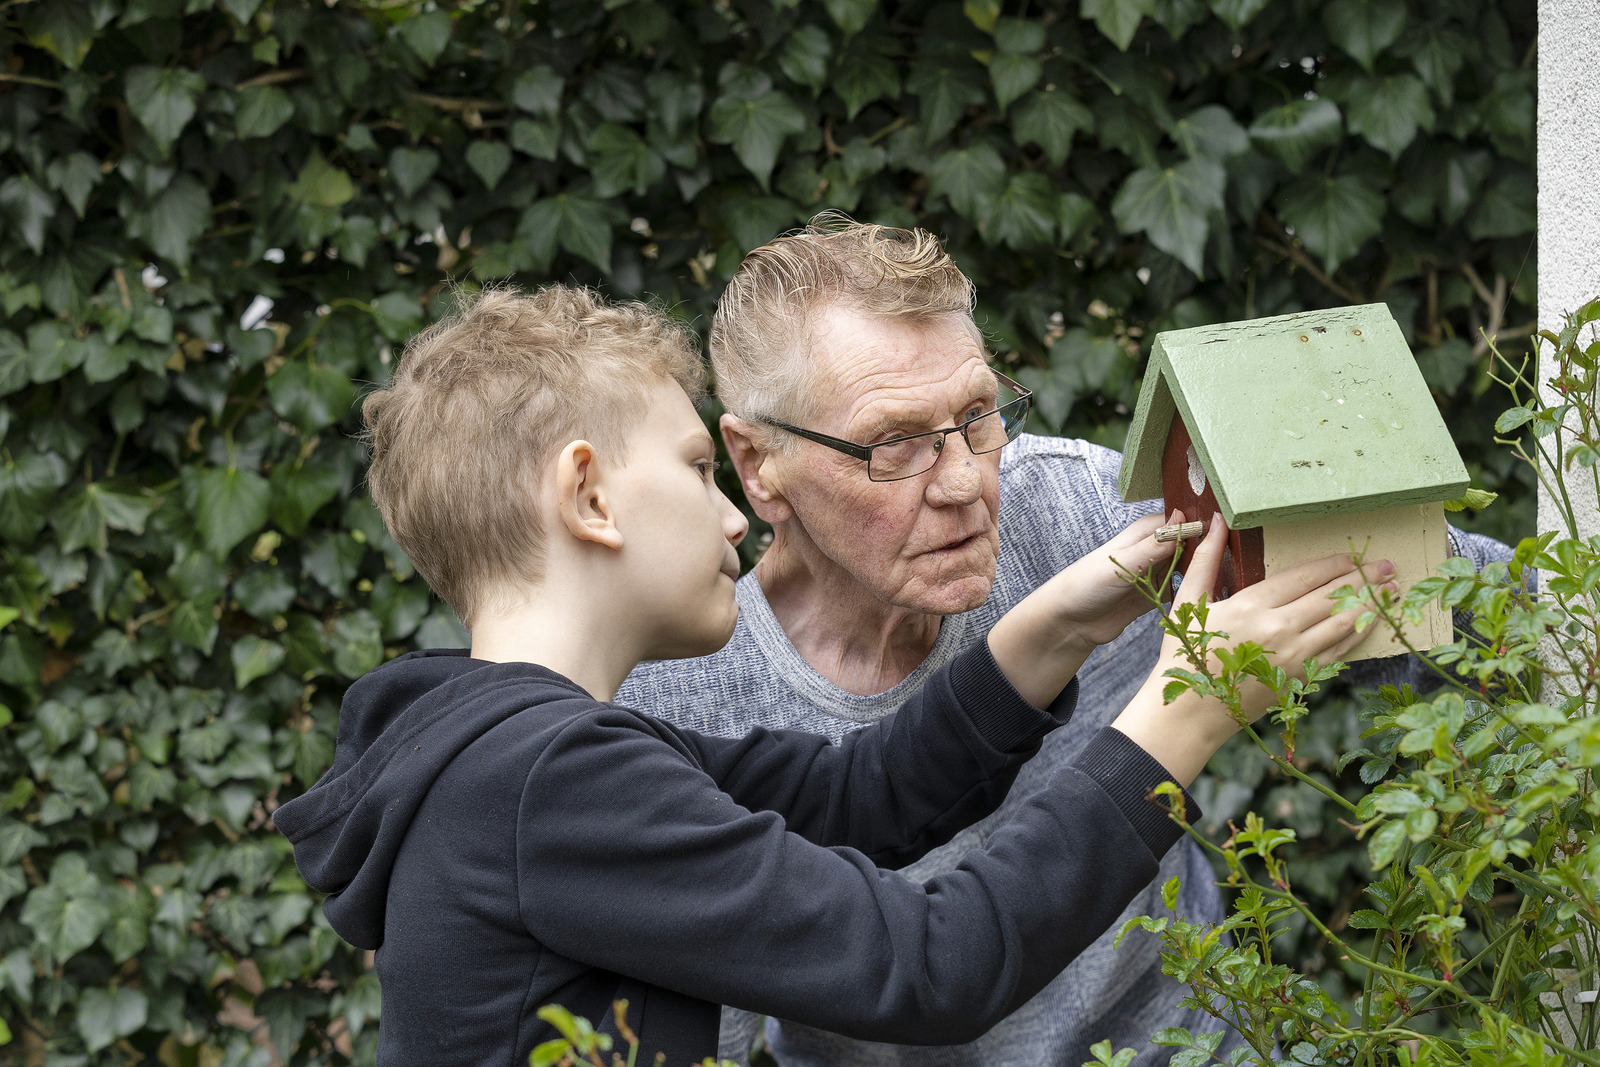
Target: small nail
1385, 568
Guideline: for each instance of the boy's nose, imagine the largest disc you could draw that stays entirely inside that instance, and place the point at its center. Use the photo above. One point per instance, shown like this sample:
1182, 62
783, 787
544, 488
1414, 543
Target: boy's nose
734, 524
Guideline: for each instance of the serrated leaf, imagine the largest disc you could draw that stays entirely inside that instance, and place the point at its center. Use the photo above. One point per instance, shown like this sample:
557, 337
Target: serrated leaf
1334, 217
1117, 19
262, 111
254, 657
1172, 206
163, 100
1477, 499
756, 128
1363, 28
1511, 418
229, 505
1297, 131
1367, 919
410, 168
1385, 844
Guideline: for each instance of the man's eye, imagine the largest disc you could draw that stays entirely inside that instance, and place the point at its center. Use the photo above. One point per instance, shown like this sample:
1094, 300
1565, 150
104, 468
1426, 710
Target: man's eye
975, 411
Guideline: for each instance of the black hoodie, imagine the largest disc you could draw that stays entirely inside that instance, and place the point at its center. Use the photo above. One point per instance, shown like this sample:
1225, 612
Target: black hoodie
506, 841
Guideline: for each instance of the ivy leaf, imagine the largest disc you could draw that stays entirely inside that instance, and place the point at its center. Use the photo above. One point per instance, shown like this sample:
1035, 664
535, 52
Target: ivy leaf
321, 183
756, 128
1012, 75
970, 178
1022, 36
1210, 132
944, 90
1297, 131
538, 91
850, 15
1507, 208
398, 315
1172, 206
29, 206
410, 168
1049, 118
1024, 215
804, 58
489, 160
27, 483
1363, 28
299, 490
426, 34
83, 518
75, 176
65, 923
620, 160
1238, 13
310, 395
357, 644
863, 76
262, 111
104, 1015
174, 220
577, 223
162, 100
1388, 111
1437, 54
1117, 19
229, 504
1334, 217
254, 657
64, 29
539, 139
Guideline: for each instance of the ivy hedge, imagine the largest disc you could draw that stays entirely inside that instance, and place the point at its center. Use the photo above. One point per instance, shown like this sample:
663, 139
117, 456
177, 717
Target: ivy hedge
220, 220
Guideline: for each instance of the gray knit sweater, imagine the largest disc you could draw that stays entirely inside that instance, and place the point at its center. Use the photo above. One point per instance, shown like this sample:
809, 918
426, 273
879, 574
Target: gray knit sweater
1058, 502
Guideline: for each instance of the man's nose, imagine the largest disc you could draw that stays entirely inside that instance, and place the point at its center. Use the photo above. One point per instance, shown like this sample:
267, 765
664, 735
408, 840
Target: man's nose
957, 479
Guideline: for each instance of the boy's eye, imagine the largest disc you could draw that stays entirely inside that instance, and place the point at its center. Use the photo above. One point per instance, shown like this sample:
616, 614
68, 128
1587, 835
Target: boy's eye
707, 467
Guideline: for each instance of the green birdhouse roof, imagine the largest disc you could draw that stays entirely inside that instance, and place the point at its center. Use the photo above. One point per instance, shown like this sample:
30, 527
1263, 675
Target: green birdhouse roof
1316, 413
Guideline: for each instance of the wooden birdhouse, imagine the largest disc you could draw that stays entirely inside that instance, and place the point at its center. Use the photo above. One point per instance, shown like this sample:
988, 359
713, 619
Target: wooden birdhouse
1312, 434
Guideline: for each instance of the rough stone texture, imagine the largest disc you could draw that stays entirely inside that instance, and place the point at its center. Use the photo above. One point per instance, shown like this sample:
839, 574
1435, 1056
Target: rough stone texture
1569, 193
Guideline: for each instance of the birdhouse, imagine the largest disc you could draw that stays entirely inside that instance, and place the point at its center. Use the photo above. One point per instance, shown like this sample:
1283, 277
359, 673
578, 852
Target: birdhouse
1312, 434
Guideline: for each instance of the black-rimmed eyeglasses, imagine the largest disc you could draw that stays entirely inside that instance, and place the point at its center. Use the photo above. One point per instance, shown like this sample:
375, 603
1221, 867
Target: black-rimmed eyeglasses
914, 454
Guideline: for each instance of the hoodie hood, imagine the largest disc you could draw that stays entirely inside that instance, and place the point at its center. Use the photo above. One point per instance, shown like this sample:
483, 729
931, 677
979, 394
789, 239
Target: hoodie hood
400, 726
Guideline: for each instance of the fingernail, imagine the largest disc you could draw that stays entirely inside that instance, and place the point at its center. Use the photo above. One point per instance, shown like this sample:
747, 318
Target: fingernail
1385, 568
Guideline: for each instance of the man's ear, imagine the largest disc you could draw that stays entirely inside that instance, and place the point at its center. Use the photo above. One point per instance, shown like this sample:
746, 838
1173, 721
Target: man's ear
757, 468
581, 499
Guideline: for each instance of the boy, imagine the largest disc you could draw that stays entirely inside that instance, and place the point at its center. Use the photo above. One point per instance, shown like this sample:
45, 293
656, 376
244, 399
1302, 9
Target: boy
509, 839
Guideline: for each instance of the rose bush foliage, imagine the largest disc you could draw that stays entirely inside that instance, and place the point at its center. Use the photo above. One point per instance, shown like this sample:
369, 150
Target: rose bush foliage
219, 221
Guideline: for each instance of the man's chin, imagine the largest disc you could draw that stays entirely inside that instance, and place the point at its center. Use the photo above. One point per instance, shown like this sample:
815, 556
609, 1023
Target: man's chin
948, 596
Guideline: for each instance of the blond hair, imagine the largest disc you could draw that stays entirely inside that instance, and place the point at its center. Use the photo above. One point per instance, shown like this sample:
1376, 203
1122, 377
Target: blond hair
761, 336
483, 400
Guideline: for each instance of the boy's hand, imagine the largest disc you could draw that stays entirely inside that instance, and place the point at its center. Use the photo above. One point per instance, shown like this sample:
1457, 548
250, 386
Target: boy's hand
1289, 614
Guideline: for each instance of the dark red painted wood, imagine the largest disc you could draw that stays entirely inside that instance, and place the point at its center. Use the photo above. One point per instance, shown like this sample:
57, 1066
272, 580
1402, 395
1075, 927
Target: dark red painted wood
1244, 564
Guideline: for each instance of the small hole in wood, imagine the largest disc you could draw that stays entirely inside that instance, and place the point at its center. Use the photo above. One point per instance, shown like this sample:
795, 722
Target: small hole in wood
1303, 337
1356, 331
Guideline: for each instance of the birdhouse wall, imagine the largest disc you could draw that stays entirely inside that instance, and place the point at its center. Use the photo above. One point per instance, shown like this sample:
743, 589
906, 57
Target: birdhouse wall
1412, 537
1185, 487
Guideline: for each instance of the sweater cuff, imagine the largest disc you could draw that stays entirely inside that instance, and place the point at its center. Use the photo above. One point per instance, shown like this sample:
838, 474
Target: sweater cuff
997, 711
1128, 773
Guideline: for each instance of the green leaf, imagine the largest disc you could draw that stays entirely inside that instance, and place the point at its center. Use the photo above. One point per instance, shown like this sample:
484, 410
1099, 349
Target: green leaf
29, 207
1210, 133
104, 1015
174, 219
299, 490
310, 395
1012, 75
863, 76
577, 223
1476, 499
970, 178
1117, 19
1437, 55
1050, 118
1023, 36
229, 505
1388, 111
65, 923
1172, 206
1507, 208
1297, 131
538, 91
489, 160
262, 111
357, 644
163, 100
254, 657
91, 508
539, 139
804, 57
398, 315
1334, 217
756, 128
75, 176
944, 89
620, 160
1511, 418
1238, 13
850, 16
64, 28
426, 34
1024, 215
410, 168
1385, 844
1363, 28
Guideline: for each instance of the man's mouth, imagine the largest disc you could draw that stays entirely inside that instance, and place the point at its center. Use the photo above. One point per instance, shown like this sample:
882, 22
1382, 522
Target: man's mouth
959, 544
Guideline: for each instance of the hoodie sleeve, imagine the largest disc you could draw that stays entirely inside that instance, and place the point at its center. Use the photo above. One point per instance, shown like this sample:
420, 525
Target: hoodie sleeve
631, 859
904, 785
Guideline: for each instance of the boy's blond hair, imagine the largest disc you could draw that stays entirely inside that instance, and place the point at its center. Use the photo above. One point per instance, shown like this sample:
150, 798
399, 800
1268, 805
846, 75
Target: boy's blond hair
761, 335
480, 404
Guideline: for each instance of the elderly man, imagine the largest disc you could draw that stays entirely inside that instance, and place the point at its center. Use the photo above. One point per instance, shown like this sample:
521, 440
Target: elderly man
850, 365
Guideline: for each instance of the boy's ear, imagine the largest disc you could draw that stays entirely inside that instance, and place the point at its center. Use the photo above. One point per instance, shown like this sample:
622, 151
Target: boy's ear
581, 499
757, 468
